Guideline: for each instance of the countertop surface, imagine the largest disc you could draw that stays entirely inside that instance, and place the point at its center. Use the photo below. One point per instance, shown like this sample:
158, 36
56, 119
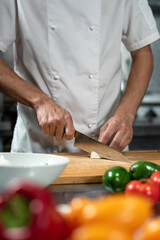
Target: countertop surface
64, 193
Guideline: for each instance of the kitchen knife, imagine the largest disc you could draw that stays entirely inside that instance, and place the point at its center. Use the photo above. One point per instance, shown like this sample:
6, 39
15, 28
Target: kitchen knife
89, 145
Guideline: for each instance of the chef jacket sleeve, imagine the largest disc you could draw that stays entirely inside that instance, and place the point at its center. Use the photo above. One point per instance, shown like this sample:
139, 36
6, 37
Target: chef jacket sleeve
7, 23
139, 28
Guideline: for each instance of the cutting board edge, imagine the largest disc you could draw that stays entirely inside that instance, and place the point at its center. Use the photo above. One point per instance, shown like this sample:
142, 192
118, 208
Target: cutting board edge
70, 175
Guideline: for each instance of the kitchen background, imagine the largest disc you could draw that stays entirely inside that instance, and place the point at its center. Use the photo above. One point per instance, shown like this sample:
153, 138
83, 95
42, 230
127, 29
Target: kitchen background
147, 122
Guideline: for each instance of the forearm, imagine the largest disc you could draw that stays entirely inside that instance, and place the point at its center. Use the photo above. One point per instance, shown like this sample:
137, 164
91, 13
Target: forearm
18, 89
120, 125
53, 119
139, 77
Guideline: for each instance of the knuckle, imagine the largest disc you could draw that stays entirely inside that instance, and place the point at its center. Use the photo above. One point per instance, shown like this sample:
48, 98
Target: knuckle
115, 122
43, 123
67, 116
52, 122
124, 127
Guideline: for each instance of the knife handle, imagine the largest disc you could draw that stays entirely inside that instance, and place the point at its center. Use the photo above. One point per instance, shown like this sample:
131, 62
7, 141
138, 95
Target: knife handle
76, 133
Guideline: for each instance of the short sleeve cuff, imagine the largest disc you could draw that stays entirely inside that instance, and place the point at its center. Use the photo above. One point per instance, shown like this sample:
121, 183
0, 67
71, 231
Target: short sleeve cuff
142, 43
3, 47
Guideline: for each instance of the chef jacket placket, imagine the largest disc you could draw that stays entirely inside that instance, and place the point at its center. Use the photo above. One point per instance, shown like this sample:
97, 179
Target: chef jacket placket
96, 76
52, 29
85, 70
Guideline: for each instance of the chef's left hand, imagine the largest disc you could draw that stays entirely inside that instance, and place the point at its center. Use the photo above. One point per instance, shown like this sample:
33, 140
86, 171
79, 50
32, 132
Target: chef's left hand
118, 131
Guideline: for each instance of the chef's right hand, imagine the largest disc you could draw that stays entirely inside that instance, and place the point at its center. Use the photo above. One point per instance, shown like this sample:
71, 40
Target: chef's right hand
55, 120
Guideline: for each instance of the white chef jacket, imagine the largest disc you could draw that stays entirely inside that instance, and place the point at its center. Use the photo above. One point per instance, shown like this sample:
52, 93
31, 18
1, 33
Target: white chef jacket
70, 49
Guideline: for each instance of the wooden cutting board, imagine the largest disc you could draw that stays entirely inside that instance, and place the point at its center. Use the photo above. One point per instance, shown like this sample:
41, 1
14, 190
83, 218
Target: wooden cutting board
82, 169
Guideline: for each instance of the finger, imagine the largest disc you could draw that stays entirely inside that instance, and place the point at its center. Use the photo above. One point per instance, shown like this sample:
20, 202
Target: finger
126, 139
52, 128
117, 142
45, 128
69, 131
106, 135
59, 131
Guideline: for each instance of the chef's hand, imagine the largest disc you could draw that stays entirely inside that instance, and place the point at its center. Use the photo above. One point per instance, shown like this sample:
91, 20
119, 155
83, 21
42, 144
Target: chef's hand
55, 120
117, 131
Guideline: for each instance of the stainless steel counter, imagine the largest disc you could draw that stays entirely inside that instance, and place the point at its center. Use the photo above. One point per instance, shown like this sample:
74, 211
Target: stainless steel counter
64, 193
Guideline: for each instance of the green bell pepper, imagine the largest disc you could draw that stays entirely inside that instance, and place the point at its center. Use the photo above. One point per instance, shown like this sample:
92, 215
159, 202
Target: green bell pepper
143, 169
115, 179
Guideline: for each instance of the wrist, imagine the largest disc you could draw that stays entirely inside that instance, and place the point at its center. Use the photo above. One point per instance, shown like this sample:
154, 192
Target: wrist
39, 100
126, 113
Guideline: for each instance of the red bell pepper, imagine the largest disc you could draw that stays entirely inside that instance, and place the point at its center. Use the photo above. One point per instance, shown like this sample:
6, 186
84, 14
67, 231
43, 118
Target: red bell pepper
28, 212
146, 187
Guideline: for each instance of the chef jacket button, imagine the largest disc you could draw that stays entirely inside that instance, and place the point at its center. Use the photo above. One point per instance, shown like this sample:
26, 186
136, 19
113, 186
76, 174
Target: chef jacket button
56, 77
91, 27
90, 76
90, 125
54, 27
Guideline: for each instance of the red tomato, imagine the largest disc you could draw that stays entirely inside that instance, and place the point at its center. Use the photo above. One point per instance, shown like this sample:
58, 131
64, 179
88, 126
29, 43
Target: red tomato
156, 177
146, 187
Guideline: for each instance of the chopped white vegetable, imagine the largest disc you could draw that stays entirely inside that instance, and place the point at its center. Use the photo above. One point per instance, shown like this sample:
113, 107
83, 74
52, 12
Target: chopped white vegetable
94, 155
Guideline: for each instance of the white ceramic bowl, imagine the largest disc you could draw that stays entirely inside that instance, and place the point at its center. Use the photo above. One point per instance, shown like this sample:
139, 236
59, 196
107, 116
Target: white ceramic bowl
41, 168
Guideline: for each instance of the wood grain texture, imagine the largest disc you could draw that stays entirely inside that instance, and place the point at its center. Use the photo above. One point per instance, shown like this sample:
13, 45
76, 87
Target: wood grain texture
82, 169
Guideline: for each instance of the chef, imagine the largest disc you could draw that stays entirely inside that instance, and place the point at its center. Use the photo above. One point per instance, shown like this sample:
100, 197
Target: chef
67, 69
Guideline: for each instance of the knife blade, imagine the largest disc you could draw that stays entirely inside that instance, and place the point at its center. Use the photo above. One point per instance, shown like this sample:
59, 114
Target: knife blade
89, 144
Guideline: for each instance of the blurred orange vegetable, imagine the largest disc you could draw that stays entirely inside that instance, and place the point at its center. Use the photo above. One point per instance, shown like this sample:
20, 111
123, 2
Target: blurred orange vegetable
72, 210
100, 231
128, 211
150, 230
113, 217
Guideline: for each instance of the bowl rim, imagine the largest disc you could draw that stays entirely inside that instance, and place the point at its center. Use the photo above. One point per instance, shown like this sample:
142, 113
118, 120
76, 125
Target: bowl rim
66, 160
